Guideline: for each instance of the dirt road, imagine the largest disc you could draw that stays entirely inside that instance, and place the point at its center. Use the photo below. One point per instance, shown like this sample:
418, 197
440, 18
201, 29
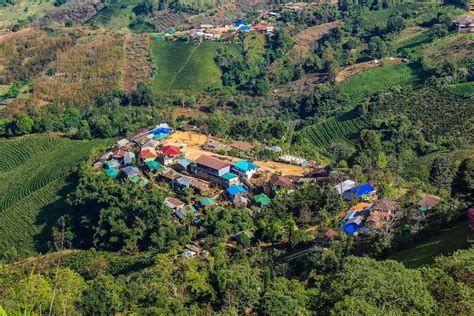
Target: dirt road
192, 150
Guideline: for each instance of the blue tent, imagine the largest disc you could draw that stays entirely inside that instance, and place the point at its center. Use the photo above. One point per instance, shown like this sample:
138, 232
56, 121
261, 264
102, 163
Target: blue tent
236, 189
162, 130
245, 28
239, 23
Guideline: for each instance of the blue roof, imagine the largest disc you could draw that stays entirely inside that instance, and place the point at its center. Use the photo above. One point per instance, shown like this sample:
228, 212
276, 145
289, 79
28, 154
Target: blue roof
236, 189
162, 130
239, 23
245, 165
362, 189
350, 227
245, 28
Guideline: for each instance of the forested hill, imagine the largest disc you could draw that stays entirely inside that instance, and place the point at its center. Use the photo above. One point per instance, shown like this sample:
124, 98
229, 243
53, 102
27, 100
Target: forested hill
236, 157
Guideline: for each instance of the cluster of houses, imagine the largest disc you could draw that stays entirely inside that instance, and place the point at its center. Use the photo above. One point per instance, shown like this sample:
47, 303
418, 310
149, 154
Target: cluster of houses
212, 179
370, 214
211, 32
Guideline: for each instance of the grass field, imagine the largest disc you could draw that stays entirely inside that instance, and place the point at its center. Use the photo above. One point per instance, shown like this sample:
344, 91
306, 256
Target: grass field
444, 243
185, 66
34, 181
23, 9
342, 128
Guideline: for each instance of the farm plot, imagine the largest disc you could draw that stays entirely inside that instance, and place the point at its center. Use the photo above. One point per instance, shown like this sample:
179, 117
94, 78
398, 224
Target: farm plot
342, 128
104, 15
33, 184
416, 40
185, 66
466, 88
380, 79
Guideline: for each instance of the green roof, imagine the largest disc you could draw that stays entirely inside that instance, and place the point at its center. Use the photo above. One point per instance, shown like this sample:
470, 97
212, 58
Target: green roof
154, 165
262, 199
207, 201
229, 176
112, 172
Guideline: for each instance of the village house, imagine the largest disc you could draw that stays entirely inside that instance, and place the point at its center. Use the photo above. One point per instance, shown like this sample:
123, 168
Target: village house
244, 169
154, 165
464, 24
174, 203
344, 186
128, 158
152, 143
427, 203
229, 179
326, 238
210, 168
206, 202
131, 171
183, 164
123, 142
118, 154
169, 155
242, 146
112, 164
280, 184
235, 190
112, 173
362, 191
355, 217
148, 154
262, 200
183, 211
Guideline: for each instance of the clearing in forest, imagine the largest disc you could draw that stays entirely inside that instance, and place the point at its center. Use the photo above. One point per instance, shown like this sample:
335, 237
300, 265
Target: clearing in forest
185, 66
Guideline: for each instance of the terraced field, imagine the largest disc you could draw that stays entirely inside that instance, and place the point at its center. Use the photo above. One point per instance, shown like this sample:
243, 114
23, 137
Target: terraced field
416, 40
466, 88
33, 186
104, 15
185, 66
345, 128
380, 79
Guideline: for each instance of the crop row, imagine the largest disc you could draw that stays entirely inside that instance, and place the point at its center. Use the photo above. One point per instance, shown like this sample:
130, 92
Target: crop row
419, 39
104, 15
324, 133
466, 88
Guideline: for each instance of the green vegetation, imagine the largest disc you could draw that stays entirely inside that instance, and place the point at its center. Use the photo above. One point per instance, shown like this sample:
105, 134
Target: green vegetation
416, 40
344, 127
104, 15
466, 88
444, 243
381, 79
34, 181
187, 67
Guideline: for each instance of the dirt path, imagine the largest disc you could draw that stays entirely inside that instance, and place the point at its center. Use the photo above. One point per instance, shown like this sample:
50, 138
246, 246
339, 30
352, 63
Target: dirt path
9, 35
192, 149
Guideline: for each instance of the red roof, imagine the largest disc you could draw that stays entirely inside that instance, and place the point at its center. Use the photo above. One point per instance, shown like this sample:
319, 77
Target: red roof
148, 153
119, 153
171, 151
212, 162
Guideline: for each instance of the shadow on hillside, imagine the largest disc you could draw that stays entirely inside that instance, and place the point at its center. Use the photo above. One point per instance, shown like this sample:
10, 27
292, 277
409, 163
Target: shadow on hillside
48, 216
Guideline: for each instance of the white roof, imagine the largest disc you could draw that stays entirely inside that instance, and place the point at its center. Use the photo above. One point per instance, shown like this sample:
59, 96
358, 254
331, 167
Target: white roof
344, 186
162, 125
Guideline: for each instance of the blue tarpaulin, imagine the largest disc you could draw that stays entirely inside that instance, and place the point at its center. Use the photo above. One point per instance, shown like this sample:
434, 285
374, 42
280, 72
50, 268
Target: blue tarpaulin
361, 190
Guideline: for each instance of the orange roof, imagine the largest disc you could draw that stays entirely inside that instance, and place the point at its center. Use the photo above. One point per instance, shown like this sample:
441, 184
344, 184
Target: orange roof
359, 207
148, 153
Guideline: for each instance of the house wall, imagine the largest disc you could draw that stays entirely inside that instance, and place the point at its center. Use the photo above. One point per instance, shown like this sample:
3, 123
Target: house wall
248, 174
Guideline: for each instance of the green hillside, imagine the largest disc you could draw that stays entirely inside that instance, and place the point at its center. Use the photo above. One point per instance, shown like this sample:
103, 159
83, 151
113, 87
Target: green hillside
185, 66
380, 79
33, 186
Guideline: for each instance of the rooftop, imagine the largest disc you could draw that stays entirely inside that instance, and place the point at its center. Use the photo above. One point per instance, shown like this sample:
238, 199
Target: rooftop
245, 165
244, 146
229, 176
212, 162
236, 189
